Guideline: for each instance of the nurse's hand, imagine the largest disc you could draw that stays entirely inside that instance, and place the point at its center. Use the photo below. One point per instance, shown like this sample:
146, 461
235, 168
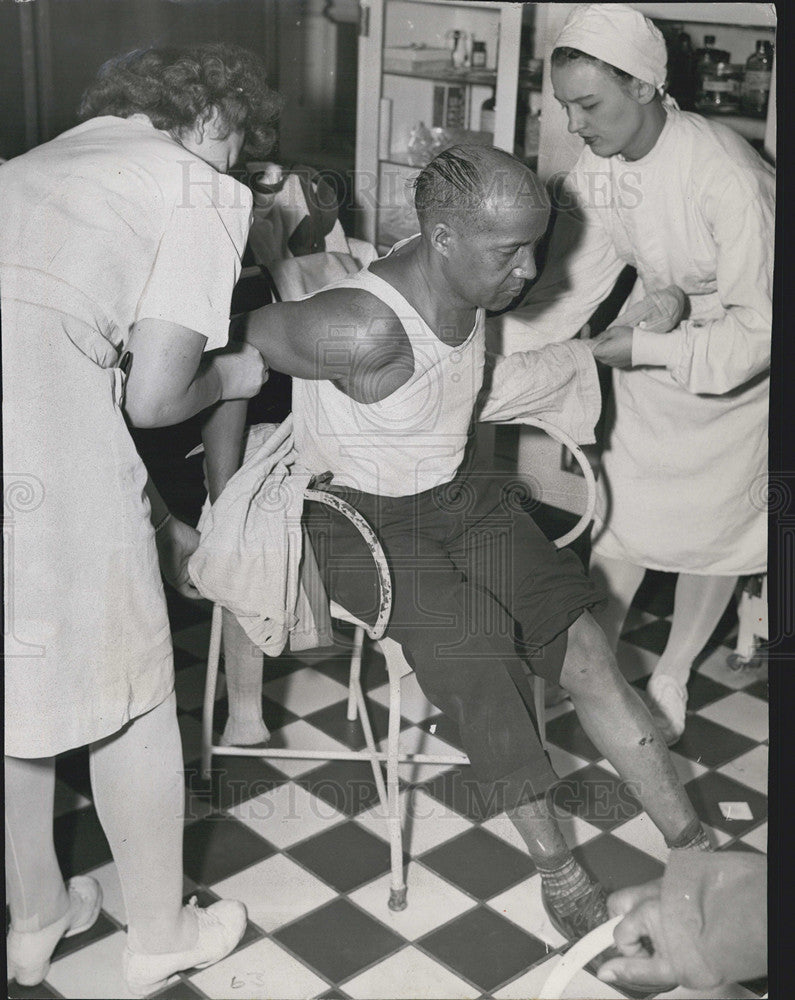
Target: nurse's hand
613, 347
176, 543
242, 371
659, 312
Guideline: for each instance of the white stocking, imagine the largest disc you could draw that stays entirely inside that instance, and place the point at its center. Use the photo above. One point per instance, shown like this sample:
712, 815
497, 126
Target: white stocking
37, 895
139, 793
699, 603
620, 581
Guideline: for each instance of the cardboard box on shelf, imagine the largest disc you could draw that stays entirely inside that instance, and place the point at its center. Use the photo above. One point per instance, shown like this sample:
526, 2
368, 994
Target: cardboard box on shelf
413, 58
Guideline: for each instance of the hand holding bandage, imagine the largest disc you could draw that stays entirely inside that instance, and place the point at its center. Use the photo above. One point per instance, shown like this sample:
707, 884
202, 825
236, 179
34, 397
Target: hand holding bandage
659, 312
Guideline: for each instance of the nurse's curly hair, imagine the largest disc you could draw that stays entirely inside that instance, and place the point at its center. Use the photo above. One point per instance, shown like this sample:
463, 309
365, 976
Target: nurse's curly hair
564, 54
178, 87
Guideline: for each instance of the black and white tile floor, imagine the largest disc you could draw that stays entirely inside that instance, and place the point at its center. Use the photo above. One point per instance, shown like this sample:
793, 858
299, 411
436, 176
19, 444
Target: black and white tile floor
304, 844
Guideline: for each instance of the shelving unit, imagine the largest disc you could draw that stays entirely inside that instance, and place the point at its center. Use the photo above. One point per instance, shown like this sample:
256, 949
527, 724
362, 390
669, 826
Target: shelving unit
392, 101
736, 27
487, 78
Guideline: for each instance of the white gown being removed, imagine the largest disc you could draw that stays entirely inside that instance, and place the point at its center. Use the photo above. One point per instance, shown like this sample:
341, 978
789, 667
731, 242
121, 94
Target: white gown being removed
685, 460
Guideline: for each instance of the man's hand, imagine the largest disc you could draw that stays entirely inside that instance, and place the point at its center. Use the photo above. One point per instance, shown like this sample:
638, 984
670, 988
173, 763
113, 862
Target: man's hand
176, 543
241, 370
613, 347
639, 938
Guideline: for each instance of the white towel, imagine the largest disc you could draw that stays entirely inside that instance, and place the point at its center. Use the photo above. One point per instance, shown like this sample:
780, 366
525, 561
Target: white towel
249, 558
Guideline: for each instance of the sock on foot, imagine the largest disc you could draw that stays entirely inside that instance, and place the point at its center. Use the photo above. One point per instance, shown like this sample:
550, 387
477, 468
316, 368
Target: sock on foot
565, 882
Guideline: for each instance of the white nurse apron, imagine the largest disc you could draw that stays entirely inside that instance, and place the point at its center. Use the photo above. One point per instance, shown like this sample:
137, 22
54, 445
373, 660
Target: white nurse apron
91, 641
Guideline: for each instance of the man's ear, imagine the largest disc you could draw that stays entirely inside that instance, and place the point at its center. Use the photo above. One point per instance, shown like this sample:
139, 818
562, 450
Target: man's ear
441, 238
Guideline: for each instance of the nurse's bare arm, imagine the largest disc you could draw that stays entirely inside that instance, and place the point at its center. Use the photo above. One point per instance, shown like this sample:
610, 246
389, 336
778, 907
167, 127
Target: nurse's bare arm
176, 543
170, 379
222, 436
347, 336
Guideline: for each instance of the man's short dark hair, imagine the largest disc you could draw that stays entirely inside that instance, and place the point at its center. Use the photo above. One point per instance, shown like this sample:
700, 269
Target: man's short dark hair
455, 186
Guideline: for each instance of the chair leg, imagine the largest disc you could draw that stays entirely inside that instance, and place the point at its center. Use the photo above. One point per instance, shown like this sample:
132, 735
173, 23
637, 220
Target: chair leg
354, 682
355, 689
397, 891
539, 694
210, 683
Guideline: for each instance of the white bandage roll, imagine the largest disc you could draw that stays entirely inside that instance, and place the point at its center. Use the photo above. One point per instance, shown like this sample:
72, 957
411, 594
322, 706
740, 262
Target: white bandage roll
577, 957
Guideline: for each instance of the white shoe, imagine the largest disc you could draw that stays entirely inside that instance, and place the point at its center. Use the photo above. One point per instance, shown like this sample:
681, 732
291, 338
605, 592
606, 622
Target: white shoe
667, 700
221, 927
29, 952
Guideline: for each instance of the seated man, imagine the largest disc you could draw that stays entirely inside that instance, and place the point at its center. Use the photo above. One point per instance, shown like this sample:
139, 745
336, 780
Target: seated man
388, 366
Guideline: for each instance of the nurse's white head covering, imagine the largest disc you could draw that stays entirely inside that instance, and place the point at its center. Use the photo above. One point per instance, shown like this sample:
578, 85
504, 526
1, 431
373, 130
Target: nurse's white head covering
620, 36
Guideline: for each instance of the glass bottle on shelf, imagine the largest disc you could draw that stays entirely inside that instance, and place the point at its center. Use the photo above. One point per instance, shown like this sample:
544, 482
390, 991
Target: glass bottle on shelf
478, 55
705, 60
532, 135
460, 48
527, 129
756, 82
720, 89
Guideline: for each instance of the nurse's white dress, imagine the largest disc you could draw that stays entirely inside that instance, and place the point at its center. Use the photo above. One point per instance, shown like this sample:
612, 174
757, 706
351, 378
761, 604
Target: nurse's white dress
110, 223
682, 487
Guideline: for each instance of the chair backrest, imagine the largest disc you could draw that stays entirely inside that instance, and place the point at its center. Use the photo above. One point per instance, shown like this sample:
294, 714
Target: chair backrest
378, 628
582, 460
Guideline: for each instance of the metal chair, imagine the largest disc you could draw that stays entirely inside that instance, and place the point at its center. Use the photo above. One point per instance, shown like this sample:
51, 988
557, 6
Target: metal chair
397, 668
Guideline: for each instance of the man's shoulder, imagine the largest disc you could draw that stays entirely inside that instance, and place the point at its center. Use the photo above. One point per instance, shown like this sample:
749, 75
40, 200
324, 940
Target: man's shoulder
353, 306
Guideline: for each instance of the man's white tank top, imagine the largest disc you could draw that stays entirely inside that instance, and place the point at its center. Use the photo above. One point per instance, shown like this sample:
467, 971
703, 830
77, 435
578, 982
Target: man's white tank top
415, 438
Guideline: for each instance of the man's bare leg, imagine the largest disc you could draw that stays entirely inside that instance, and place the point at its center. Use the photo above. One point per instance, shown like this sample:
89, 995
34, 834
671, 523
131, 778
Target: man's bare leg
618, 723
243, 664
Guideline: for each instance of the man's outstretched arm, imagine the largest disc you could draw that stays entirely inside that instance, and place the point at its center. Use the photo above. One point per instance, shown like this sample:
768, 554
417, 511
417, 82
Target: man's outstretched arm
349, 338
346, 336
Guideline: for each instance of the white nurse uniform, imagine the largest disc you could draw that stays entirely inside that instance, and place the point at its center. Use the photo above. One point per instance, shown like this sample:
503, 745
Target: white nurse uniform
110, 223
686, 441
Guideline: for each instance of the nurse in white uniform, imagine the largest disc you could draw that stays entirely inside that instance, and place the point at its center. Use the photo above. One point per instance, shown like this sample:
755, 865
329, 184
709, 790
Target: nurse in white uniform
123, 235
687, 202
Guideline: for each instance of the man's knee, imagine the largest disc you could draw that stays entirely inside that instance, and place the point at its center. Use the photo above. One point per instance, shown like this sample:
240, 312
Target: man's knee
589, 665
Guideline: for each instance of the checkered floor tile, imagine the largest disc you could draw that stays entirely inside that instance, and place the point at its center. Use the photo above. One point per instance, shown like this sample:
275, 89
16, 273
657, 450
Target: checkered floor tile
305, 845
